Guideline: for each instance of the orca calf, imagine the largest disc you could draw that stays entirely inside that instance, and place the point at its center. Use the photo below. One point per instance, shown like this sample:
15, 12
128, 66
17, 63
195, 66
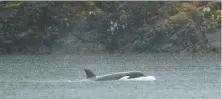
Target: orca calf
131, 75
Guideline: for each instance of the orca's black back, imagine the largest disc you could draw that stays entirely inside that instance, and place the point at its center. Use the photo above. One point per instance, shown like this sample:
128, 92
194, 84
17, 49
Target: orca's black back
117, 76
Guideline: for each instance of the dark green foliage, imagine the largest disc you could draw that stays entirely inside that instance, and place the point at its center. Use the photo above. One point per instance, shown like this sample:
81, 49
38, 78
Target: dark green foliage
26, 27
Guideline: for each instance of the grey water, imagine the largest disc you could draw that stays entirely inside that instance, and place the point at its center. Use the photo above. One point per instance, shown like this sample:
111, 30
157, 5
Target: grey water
60, 76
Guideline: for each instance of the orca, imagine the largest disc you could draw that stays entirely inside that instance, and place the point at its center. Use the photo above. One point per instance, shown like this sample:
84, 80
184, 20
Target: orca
113, 76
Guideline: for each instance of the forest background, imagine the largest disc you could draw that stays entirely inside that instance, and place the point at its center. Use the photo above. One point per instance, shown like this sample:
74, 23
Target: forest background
47, 27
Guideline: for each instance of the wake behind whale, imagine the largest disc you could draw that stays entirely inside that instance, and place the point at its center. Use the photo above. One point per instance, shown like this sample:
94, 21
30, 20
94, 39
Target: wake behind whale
123, 76
90, 76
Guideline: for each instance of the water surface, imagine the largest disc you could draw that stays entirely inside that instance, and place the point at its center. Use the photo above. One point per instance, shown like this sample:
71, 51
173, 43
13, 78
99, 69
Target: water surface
60, 77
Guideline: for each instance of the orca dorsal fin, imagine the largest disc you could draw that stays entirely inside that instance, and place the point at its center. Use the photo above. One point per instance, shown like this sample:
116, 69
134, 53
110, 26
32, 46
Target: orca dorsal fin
89, 73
